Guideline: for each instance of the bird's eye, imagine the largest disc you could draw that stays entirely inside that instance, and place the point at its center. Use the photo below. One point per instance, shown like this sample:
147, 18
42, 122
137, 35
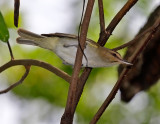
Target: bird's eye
114, 54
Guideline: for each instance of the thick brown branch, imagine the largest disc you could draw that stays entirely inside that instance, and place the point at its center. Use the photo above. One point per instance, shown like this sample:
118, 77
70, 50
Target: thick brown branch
28, 62
17, 83
83, 79
132, 59
72, 94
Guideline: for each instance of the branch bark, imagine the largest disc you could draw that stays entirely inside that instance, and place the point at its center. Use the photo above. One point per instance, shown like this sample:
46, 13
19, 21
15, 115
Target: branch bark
68, 115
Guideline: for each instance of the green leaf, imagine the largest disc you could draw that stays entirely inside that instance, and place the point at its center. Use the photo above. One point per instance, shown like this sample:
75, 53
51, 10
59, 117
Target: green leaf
4, 33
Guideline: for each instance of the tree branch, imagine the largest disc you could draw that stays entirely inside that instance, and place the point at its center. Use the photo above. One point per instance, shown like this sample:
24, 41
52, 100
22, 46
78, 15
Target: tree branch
28, 62
17, 83
134, 40
104, 37
10, 50
16, 12
87, 71
101, 16
67, 117
132, 59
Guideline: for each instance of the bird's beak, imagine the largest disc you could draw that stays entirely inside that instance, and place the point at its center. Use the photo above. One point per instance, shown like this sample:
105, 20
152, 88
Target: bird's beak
124, 62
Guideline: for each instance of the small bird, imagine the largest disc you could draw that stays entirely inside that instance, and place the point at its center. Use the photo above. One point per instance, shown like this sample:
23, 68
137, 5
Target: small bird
65, 46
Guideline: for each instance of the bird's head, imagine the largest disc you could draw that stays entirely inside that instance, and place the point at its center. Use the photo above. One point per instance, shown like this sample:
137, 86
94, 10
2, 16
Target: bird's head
112, 57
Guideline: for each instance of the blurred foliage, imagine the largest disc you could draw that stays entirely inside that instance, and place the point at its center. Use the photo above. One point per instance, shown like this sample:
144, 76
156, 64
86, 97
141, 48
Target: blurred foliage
43, 84
9, 15
4, 33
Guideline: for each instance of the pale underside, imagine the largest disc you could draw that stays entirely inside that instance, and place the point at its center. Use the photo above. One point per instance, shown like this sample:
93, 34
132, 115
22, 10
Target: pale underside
66, 49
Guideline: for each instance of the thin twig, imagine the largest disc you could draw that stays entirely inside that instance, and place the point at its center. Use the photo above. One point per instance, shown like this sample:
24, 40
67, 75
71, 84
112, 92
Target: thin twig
72, 94
101, 16
41, 64
16, 12
10, 50
79, 29
17, 83
129, 43
132, 59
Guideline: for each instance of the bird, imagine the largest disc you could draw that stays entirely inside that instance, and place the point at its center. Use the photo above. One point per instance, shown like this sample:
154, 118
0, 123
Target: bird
65, 47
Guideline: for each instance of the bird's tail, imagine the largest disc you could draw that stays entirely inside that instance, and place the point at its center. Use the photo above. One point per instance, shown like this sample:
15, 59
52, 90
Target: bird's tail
29, 38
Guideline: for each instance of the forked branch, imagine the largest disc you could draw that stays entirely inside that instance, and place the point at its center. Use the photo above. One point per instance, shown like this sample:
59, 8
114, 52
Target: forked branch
28, 62
134, 40
104, 37
17, 83
132, 59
